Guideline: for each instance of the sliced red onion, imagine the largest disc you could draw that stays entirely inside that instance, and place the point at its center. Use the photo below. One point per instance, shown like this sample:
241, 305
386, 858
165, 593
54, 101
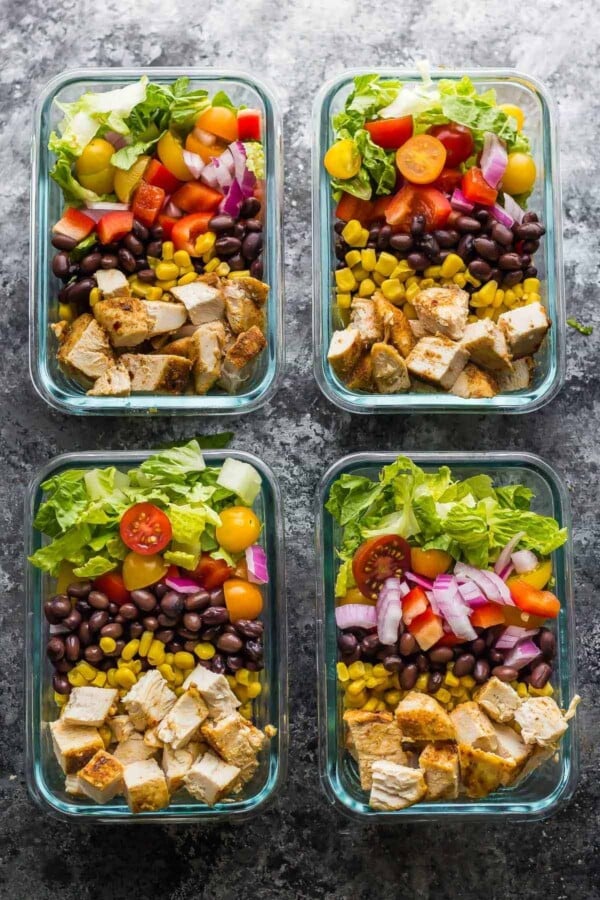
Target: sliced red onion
492, 586
227, 160
223, 175
494, 159
472, 595
256, 560
521, 655
248, 183
209, 174
232, 202
512, 635
452, 608
506, 571
182, 584
524, 561
388, 618
512, 208
205, 136
355, 615
501, 215
391, 586
117, 140
169, 209
194, 162
504, 558
432, 602
239, 156
425, 583
104, 206
459, 202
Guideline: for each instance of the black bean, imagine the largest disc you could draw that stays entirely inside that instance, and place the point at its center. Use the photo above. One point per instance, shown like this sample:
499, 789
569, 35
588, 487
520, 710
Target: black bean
164, 635
505, 673
252, 245
221, 223
417, 261
73, 620
422, 662
464, 665
109, 261
401, 242
128, 612
531, 246
430, 246
486, 248
72, 647
235, 663
434, 682
136, 630
63, 666
197, 601
229, 643
250, 629
529, 217
509, 261
250, 208
147, 276
408, 676
483, 216
383, 239
512, 278
393, 663
80, 291
113, 609
127, 261
113, 630
418, 225
477, 647
74, 270
167, 621
119, 618
501, 234
496, 657
369, 644
79, 589
93, 654
217, 597
340, 249
480, 269
61, 684
60, 265
540, 675
141, 264
172, 604
61, 606
110, 248
211, 634
465, 246
254, 650
143, 599
218, 664
408, 644
547, 643
90, 263
227, 246
446, 237
98, 600
530, 231
154, 249
84, 633
55, 648
468, 225
98, 620
441, 654
62, 242
157, 233
192, 621
256, 269
140, 231
496, 275
215, 615
481, 671
525, 260
254, 225
531, 272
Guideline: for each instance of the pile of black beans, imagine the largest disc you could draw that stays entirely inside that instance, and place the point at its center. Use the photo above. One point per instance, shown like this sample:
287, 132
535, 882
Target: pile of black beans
492, 251
180, 621
239, 241
478, 658
130, 255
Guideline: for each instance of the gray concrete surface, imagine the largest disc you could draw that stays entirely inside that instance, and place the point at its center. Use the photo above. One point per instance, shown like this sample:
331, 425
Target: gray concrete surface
302, 848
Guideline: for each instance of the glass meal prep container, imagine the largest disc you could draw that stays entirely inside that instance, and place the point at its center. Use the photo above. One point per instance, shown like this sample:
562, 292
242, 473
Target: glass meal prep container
45, 778
533, 98
549, 786
51, 383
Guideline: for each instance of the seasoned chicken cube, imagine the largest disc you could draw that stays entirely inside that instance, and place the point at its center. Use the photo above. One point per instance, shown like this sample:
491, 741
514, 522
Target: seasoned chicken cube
149, 700
487, 346
443, 310
395, 786
437, 360
374, 736
519, 378
511, 745
421, 718
418, 329
165, 317
395, 324
152, 740
498, 699
231, 739
389, 370
237, 365
206, 354
204, 302
101, 778
215, 691
84, 348
481, 772
112, 283
74, 745
133, 749
524, 328
537, 757
344, 351
183, 720
180, 347
363, 316
89, 705
439, 764
361, 376
473, 727
121, 727
157, 374
126, 320
255, 290
145, 786
72, 785
541, 721
240, 311
472, 382
177, 763
210, 779
115, 382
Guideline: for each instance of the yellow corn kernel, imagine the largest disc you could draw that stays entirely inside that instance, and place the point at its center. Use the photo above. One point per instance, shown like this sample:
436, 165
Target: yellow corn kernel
231, 681
472, 280
253, 676
368, 259
214, 263
478, 301
166, 271
352, 231
111, 677
344, 300
379, 670
356, 687
519, 291
471, 319
106, 735
411, 292
468, 682
378, 278
182, 259
443, 695
254, 690
156, 653
167, 671
450, 680
460, 280
532, 285
243, 273
124, 664
60, 699
488, 291
489, 313
178, 691
409, 311
356, 702
371, 682
392, 289
223, 269
510, 298
359, 273
366, 288
246, 710
534, 298
145, 643
402, 272
242, 676
356, 670
154, 292
139, 290
179, 677
136, 666
107, 644
369, 668
184, 660
421, 682
169, 658
168, 250
522, 690
65, 310
433, 272
345, 280
204, 244
458, 692
131, 648
386, 264
392, 698
414, 279
452, 265
546, 691
88, 672
204, 650
426, 283
95, 295
353, 258
125, 678
498, 299
241, 692
371, 704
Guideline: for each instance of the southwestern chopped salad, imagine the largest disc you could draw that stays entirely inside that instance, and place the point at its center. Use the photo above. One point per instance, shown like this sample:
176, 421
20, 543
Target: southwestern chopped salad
444, 616
436, 282
160, 244
154, 627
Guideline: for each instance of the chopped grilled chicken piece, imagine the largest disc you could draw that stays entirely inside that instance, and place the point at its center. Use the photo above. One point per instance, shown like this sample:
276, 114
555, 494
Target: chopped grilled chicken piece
112, 283
395, 786
126, 320
498, 699
72, 785
519, 378
215, 691
158, 373
473, 382
74, 745
149, 700
145, 786
439, 764
203, 301
238, 362
374, 736
361, 376
165, 317
344, 351
121, 727
101, 778
524, 328
437, 360
481, 772
89, 705
210, 779
133, 749
152, 740
255, 290
84, 348
389, 370
537, 757
240, 310
395, 324
541, 721
177, 763
235, 742
473, 727
487, 346
206, 355
417, 328
181, 347
443, 310
115, 382
512, 746
363, 316
422, 718
183, 720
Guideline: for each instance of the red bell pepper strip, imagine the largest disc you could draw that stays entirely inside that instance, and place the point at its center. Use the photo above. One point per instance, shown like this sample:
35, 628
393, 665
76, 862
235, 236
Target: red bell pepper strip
159, 176
114, 225
187, 229
147, 203
193, 196
74, 224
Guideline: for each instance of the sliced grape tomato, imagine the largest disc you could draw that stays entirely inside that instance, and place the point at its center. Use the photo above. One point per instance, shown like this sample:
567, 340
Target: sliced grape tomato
145, 529
378, 559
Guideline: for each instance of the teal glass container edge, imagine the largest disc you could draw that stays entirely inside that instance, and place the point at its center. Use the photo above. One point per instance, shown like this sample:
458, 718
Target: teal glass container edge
333, 770
36, 681
554, 375
66, 397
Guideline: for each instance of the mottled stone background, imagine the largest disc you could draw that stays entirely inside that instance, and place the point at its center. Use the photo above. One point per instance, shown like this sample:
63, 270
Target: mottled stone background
301, 848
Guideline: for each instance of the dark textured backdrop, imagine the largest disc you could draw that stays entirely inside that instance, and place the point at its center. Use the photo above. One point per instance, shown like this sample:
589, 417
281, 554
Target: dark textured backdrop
301, 848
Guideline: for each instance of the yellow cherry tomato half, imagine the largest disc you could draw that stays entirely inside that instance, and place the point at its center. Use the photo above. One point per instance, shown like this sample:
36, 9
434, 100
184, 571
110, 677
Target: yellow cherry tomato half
126, 180
520, 173
343, 160
242, 599
93, 168
239, 528
170, 153
140, 571
429, 563
514, 112
537, 578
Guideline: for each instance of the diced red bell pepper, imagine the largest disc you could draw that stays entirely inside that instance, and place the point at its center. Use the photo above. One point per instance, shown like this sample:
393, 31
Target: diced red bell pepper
476, 189
414, 604
186, 230
350, 207
487, 616
196, 197
147, 203
74, 224
249, 125
167, 223
379, 208
426, 629
159, 176
390, 133
449, 640
531, 600
114, 225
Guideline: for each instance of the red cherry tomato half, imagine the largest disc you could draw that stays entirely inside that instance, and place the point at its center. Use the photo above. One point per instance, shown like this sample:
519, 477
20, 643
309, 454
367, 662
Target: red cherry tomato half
212, 573
249, 124
458, 141
390, 133
476, 189
448, 181
113, 586
145, 529
376, 560
412, 200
